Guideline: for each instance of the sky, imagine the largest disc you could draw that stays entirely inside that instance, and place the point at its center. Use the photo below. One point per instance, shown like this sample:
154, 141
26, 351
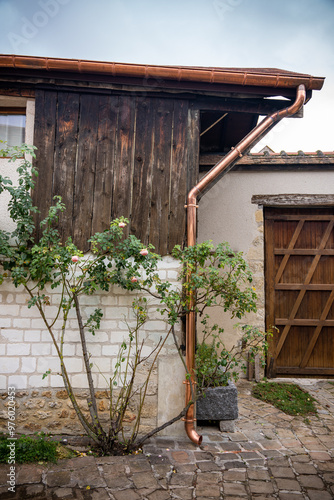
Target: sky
295, 35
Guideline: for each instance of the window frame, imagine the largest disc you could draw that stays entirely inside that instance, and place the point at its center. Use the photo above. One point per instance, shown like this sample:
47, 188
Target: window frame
15, 111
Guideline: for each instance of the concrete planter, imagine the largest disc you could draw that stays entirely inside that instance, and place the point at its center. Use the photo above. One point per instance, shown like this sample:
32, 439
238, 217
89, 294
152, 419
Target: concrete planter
219, 403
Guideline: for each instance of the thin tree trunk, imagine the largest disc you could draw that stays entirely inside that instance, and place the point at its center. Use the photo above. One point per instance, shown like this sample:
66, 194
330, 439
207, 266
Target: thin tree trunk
92, 400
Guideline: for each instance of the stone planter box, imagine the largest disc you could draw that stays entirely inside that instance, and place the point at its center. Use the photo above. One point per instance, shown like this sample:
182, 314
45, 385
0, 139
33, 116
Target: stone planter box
219, 403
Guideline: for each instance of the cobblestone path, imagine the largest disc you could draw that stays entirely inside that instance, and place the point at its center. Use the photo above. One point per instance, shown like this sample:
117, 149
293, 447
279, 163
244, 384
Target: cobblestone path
270, 456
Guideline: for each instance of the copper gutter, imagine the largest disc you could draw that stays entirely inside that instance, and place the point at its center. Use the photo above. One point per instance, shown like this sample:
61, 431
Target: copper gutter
222, 166
263, 77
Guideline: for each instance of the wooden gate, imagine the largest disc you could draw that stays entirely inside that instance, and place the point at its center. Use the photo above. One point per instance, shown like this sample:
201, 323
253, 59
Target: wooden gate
299, 277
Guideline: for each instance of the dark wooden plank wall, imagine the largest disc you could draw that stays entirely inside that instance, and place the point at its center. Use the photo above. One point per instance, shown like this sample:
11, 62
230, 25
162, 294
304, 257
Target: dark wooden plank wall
65, 154
44, 140
109, 155
105, 159
161, 180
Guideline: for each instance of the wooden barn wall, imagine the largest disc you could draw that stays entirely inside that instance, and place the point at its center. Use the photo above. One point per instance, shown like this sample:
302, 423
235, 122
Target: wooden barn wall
109, 155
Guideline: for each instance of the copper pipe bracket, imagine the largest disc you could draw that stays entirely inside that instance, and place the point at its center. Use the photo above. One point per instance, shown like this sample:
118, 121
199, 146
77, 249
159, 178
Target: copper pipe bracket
238, 151
189, 420
191, 205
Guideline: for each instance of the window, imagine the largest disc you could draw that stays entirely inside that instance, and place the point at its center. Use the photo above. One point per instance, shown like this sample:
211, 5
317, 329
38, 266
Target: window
12, 128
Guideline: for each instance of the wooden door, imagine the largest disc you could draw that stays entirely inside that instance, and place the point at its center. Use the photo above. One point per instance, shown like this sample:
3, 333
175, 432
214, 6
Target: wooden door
299, 279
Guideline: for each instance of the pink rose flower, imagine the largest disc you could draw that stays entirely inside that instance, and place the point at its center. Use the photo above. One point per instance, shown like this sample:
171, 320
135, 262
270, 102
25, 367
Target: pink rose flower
134, 279
121, 224
75, 258
144, 251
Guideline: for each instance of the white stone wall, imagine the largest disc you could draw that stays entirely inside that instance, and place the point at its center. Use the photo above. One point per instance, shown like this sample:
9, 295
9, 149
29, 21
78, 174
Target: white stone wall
27, 351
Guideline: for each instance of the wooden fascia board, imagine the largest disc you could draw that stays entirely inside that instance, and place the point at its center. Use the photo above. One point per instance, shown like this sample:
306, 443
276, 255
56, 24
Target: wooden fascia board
274, 162
35, 76
288, 200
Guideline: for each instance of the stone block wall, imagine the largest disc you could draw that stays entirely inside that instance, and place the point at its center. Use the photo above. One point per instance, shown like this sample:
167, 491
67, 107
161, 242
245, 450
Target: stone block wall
27, 352
50, 410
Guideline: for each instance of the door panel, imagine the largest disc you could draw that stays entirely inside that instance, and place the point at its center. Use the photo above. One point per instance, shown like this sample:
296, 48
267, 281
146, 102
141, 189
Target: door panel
299, 274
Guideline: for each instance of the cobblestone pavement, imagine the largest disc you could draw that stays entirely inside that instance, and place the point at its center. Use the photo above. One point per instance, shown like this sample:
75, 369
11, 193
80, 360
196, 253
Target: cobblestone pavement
270, 456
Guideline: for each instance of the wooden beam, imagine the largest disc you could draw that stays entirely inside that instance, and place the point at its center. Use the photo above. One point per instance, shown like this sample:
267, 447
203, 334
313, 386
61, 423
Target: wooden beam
303, 251
304, 371
300, 286
304, 322
17, 92
254, 106
55, 76
288, 200
325, 217
12, 111
270, 295
273, 162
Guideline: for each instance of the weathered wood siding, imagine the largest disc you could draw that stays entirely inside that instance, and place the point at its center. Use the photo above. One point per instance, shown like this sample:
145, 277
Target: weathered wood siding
110, 155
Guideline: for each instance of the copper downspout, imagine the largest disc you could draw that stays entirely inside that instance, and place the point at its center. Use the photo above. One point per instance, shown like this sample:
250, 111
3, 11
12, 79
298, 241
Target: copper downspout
228, 161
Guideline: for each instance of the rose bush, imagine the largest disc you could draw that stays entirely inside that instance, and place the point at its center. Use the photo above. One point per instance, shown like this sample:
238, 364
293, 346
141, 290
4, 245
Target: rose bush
211, 276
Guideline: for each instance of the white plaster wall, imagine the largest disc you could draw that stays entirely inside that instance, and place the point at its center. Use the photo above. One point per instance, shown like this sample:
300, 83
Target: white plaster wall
227, 214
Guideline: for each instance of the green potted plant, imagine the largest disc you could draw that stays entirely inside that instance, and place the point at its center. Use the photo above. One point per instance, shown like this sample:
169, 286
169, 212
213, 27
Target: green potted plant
215, 276
218, 368
218, 277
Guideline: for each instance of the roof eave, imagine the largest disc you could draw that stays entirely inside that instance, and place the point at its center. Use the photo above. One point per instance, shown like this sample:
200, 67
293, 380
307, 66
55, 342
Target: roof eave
272, 78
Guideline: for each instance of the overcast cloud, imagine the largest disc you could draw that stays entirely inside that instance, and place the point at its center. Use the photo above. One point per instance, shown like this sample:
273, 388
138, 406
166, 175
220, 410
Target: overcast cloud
295, 35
